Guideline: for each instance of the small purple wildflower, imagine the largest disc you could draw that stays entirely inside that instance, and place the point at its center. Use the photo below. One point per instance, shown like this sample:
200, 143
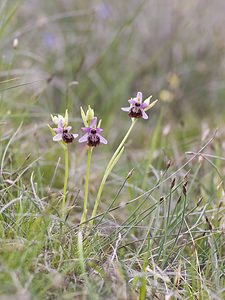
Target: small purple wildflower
137, 107
92, 136
63, 130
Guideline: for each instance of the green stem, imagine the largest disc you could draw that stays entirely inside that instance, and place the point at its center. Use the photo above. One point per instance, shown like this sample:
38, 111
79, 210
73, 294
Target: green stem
84, 215
122, 143
108, 170
66, 162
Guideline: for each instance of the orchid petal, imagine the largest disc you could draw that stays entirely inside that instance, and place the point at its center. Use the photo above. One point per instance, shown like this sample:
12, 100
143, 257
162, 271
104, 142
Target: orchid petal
57, 137
139, 96
75, 135
55, 120
102, 139
132, 101
99, 123
68, 128
86, 129
93, 122
60, 124
125, 108
99, 129
144, 115
58, 130
147, 101
143, 105
151, 105
60, 120
84, 138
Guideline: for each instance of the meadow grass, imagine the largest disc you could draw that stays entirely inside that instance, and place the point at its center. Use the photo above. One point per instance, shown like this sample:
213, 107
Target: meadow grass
158, 231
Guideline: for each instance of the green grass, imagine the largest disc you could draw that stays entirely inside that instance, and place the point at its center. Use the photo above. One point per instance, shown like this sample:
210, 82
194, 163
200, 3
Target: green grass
159, 228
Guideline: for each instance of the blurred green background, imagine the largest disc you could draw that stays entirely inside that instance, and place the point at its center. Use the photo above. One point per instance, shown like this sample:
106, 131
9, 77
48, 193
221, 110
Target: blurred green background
171, 49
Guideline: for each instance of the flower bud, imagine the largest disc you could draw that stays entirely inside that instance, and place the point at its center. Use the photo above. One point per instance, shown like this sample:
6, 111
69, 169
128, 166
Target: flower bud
89, 114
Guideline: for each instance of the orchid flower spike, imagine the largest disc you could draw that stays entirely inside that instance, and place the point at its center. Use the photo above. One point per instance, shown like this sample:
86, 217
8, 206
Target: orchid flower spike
92, 136
137, 107
63, 130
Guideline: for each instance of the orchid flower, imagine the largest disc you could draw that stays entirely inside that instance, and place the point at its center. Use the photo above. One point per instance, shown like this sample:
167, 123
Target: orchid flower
137, 107
92, 135
63, 130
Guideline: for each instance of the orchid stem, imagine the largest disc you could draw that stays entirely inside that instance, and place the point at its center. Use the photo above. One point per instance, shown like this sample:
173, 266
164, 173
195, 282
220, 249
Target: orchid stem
108, 170
122, 143
84, 215
66, 162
